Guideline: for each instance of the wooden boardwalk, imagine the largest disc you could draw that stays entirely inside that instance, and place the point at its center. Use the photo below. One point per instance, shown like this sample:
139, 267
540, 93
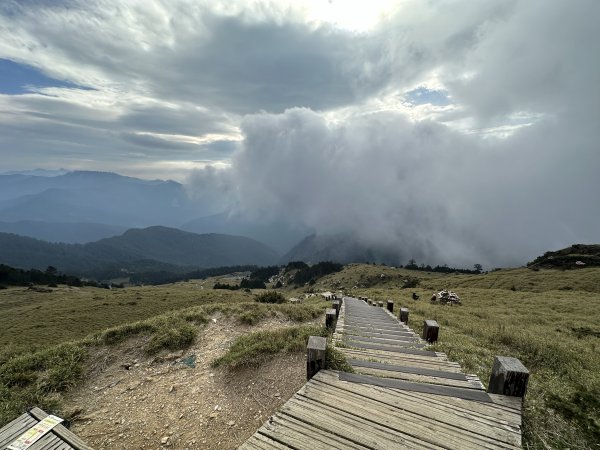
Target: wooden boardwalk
400, 396
58, 438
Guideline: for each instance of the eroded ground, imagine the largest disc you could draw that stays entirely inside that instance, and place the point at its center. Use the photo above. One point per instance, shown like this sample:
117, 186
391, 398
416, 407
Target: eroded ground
164, 403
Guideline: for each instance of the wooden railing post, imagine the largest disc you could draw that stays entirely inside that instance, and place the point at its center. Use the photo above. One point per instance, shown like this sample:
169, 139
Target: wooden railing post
404, 315
509, 377
380, 304
315, 355
336, 306
431, 330
390, 306
330, 319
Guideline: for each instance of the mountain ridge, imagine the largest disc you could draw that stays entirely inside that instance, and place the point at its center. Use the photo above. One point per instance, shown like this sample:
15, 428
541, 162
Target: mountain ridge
162, 245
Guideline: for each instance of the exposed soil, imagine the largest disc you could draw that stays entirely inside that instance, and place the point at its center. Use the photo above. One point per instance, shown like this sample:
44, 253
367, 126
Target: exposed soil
162, 403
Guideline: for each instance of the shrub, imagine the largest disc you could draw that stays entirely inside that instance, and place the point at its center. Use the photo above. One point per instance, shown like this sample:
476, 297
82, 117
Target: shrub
252, 283
270, 297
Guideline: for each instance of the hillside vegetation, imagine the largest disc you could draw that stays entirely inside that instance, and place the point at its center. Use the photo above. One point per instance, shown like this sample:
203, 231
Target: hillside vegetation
574, 257
546, 318
60, 338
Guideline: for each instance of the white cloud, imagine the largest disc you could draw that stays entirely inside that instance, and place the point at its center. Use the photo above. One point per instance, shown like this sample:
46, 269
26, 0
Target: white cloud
320, 94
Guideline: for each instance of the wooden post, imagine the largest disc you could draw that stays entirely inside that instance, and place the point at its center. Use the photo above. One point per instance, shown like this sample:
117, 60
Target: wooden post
330, 319
509, 377
336, 306
315, 355
369, 301
390, 306
431, 330
404, 315
380, 304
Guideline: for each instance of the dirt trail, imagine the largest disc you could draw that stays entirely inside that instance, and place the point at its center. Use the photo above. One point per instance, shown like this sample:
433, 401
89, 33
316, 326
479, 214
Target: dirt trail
166, 404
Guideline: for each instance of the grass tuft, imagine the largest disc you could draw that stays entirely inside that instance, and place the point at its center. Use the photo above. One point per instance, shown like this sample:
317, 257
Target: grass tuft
254, 349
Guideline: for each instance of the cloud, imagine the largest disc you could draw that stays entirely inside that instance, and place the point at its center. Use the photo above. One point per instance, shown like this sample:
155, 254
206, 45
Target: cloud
424, 189
461, 131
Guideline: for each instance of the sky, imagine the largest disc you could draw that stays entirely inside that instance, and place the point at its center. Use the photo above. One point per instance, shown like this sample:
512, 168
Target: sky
467, 130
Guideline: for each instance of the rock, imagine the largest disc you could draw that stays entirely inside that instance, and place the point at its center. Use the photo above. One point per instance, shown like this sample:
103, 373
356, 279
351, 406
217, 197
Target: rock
164, 440
214, 321
172, 356
213, 415
172, 389
231, 423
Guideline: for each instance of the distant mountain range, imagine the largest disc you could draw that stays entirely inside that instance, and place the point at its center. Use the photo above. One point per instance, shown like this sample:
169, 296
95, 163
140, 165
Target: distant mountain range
84, 206
95, 197
71, 233
153, 248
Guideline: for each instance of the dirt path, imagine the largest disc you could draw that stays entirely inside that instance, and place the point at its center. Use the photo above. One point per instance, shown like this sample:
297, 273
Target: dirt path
167, 404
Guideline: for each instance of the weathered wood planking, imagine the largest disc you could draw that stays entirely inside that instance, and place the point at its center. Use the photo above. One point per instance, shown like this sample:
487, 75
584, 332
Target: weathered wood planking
59, 438
417, 400
408, 369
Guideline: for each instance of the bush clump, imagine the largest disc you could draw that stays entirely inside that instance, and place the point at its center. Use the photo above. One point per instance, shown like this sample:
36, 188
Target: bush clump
270, 297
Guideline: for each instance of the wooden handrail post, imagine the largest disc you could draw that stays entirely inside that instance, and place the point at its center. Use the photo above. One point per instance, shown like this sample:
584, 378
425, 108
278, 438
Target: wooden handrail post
509, 377
390, 306
431, 330
404, 315
330, 319
380, 304
316, 351
336, 306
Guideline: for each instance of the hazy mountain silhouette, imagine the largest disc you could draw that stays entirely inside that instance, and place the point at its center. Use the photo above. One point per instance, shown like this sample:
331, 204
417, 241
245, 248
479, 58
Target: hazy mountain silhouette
167, 246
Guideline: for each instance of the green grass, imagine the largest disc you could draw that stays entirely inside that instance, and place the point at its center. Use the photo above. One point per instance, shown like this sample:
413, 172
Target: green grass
32, 320
253, 349
553, 331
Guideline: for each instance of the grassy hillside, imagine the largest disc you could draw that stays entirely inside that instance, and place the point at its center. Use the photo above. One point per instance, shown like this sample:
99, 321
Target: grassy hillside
59, 333
549, 319
33, 320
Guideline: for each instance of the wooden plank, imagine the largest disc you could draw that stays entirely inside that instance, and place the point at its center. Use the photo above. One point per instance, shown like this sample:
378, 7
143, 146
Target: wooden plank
261, 442
374, 325
377, 333
396, 343
401, 420
515, 403
66, 435
16, 428
393, 341
383, 374
49, 441
477, 410
301, 436
362, 431
503, 432
417, 363
467, 394
387, 348
408, 369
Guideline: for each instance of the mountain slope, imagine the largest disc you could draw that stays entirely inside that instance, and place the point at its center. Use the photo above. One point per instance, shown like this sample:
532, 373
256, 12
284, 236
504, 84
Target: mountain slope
70, 233
574, 257
97, 197
342, 248
158, 247
277, 234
